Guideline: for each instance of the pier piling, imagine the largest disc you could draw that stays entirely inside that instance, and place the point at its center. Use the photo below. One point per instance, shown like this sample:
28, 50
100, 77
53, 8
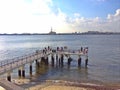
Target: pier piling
30, 69
23, 72
46, 61
69, 61
62, 58
19, 73
52, 58
9, 76
79, 61
59, 62
56, 57
37, 63
86, 62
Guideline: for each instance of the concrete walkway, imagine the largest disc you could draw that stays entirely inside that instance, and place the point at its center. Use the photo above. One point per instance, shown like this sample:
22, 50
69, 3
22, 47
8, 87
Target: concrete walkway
9, 85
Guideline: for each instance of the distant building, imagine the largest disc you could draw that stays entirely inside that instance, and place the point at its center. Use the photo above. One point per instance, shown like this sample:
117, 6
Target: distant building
52, 32
93, 32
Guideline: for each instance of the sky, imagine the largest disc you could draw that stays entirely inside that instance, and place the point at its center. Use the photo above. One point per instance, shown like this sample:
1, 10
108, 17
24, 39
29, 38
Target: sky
64, 16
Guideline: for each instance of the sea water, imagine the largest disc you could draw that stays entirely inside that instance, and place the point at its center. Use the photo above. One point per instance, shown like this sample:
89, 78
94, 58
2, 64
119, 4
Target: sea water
104, 56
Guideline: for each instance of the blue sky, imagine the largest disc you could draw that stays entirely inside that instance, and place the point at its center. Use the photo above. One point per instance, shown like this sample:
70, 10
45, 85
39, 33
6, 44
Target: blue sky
38, 16
88, 8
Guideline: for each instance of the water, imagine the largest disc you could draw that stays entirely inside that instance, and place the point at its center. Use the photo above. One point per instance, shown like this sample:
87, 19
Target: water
104, 55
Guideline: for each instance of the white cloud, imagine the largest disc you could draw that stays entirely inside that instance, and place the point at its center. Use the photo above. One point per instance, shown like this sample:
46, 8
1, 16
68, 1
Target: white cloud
114, 17
37, 16
40, 6
76, 15
117, 12
111, 23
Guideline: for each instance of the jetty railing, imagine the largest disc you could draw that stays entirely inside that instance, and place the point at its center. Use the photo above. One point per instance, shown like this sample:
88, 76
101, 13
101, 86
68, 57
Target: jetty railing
11, 64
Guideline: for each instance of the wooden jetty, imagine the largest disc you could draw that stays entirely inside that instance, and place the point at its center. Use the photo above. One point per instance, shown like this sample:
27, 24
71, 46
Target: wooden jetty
38, 56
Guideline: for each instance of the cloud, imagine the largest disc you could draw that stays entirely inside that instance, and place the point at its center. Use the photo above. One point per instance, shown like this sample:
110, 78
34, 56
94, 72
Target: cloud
114, 17
13, 15
40, 6
76, 15
110, 24
37, 16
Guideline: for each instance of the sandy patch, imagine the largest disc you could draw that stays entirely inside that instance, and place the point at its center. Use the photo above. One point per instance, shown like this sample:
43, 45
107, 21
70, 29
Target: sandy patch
1, 88
20, 81
58, 87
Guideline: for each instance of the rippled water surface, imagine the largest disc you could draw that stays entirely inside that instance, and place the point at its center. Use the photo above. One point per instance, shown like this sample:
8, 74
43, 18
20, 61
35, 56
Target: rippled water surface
104, 55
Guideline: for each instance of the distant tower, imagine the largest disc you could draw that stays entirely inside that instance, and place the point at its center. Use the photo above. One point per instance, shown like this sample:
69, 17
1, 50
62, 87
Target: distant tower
51, 29
52, 32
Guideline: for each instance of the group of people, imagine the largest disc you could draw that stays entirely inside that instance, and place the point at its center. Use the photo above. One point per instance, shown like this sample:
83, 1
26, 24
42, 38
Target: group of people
46, 49
84, 50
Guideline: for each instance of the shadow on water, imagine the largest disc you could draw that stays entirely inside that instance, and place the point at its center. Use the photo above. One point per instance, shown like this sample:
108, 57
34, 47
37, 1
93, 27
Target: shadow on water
64, 72
41, 69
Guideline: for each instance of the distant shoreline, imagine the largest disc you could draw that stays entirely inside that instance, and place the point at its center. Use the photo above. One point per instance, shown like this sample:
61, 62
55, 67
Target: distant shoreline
64, 34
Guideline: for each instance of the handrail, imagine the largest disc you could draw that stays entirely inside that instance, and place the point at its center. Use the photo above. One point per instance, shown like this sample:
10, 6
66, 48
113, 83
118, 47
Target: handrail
8, 61
16, 59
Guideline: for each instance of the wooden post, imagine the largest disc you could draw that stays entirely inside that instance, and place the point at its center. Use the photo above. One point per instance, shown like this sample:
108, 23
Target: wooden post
69, 61
59, 61
46, 61
56, 60
23, 71
56, 57
52, 60
62, 57
9, 76
79, 61
30, 69
19, 73
86, 62
37, 63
